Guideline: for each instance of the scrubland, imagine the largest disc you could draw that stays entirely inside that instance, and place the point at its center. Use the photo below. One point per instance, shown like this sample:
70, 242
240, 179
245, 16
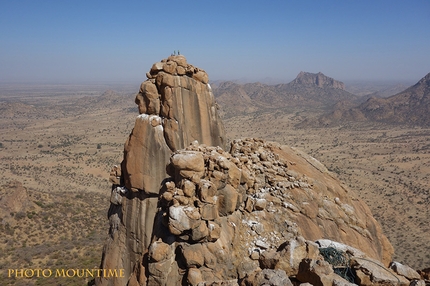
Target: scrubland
60, 143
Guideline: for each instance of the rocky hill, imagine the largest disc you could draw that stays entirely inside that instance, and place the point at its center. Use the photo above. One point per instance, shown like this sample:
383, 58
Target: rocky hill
319, 79
409, 107
187, 210
307, 89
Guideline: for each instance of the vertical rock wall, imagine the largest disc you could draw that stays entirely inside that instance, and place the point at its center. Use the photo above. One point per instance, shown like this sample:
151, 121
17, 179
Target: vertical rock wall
186, 212
176, 107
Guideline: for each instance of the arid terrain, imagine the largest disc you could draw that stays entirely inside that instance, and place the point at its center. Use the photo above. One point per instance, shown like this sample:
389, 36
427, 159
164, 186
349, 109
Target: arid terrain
60, 142
387, 166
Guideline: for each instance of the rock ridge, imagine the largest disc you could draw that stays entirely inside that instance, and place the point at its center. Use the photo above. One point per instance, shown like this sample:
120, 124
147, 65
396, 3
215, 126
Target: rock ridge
318, 79
409, 107
176, 107
187, 211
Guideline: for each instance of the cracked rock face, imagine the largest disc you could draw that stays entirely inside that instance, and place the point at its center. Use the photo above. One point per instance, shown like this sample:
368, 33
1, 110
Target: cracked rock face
176, 107
185, 211
258, 206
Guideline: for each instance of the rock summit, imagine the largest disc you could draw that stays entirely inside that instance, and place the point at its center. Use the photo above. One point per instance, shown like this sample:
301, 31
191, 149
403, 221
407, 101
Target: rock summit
188, 210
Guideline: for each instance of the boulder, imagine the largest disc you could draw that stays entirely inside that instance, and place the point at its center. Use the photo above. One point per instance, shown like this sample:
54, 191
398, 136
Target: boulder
292, 252
425, 273
186, 211
372, 272
267, 277
405, 271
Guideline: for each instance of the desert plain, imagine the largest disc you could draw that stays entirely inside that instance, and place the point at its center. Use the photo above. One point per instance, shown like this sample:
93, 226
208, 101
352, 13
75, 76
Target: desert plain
60, 142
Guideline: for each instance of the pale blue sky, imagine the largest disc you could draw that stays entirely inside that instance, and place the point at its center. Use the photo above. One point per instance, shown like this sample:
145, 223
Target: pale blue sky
95, 40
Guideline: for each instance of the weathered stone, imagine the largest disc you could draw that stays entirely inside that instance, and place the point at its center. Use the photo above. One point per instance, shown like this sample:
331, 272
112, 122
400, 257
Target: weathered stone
316, 272
249, 204
372, 272
170, 67
115, 175
179, 59
246, 178
234, 175
325, 243
116, 196
339, 281
255, 254
156, 68
260, 204
262, 244
214, 231
189, 188
188, 160
267, 277
194, 276
405, 271
180, 70
193, 255
201, 76
166, 108
164, 79
425, 273
201, 199
210, 259
418, 283
269, 259
159, 251
148, 99
292, 253
209, 211
227, 200
219, 179
180, 220
138, 175
200, 232
207, 192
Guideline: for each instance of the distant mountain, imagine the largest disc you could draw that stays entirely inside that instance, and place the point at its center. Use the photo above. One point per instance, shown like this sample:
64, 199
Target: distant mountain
318, 79
306, 90
388, 91
317, 90
375, 88
411, 106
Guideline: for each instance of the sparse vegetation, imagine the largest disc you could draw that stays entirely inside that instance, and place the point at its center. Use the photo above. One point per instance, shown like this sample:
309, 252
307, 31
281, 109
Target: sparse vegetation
387, 166
66, 177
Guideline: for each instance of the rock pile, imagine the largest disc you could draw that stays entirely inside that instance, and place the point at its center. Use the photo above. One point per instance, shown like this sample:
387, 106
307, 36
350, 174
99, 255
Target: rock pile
228, 216
184, 211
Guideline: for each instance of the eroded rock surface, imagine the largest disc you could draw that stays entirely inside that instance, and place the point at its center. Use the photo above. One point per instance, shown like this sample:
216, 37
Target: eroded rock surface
187, 211
176, 107
259, 206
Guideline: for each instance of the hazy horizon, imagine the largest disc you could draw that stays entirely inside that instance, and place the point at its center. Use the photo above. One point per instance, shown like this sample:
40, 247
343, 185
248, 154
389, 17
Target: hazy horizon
267, 81
82, 41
